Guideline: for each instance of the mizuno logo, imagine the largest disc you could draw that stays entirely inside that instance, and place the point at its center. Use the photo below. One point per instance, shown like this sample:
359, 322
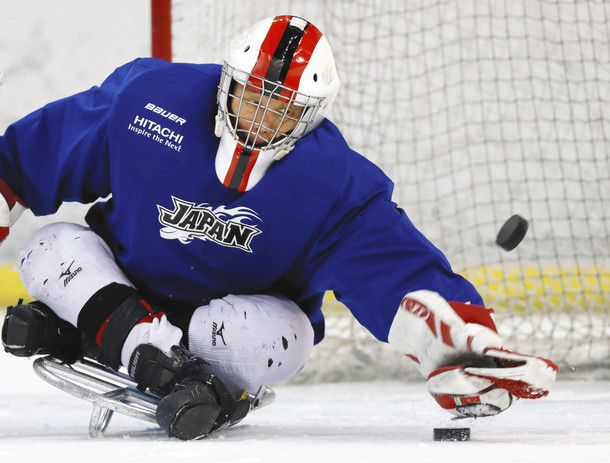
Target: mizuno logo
69, 273
231, 227
218, 332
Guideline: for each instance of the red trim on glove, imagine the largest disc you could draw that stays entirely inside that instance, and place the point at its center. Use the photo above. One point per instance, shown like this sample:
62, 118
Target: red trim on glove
419, 310
472, 313
510, 363
11, 198
520, 389
443, 369
446, 334
451, 401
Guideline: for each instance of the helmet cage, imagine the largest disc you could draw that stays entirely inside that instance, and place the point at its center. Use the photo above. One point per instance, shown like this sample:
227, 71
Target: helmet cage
254, 114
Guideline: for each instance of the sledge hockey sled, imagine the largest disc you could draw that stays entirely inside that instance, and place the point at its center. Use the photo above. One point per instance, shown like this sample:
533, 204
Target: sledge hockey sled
110, 391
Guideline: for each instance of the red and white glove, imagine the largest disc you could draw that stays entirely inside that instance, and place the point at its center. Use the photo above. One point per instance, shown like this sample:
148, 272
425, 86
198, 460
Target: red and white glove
11, 208
469, 390
456, 346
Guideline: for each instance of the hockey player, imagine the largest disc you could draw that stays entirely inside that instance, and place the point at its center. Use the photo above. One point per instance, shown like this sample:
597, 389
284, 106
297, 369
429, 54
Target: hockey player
232, 205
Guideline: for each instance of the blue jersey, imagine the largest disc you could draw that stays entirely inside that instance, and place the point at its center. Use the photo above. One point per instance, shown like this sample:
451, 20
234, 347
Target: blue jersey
320, 219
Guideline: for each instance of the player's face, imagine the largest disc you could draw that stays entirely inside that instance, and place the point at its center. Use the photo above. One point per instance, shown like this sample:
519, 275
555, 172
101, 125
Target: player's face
259, 125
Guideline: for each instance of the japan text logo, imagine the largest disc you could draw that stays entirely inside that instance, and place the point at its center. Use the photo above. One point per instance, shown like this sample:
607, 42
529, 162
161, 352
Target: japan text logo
230, 227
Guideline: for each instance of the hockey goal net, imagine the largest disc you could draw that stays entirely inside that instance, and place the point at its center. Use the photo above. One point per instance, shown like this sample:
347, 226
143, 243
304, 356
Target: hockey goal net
478, 110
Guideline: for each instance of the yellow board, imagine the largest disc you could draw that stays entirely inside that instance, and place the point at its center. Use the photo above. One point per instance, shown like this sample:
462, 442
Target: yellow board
528, 288
11, 288
518, 289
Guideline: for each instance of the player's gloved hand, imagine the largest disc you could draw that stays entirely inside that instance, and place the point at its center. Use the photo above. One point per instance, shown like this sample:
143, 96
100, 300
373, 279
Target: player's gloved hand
11, 207
457, 347
485, 385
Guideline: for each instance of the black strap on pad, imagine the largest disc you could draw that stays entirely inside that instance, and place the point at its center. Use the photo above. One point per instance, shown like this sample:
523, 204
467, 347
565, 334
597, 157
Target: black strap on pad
120, 324
119, 307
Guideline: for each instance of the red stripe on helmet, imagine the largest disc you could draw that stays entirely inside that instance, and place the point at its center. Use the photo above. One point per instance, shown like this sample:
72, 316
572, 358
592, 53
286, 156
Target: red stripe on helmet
272, 39
239, 174
246, 177
302, 56
298, 62
236, 154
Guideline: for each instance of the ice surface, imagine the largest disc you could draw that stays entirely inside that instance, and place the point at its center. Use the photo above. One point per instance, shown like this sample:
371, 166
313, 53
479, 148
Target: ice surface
341, 422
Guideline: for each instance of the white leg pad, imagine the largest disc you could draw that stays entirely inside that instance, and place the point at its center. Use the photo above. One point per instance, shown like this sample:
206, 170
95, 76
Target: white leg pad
64, 264
251, 340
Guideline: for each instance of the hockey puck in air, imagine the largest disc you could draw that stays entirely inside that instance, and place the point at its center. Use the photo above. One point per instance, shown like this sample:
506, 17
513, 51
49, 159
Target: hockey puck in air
512, 233
451, 434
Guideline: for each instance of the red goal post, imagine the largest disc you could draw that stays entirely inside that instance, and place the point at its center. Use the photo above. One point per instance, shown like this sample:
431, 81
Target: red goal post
161, 29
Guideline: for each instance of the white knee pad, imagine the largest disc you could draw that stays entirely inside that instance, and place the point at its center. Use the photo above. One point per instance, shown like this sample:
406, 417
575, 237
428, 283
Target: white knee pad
64, 264
251, 340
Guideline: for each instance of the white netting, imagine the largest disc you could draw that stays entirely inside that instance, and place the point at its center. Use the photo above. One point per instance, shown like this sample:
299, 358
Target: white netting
478, 109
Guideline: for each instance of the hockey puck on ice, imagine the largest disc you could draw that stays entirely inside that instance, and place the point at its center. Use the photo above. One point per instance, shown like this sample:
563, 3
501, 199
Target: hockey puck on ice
512, 233
451, 434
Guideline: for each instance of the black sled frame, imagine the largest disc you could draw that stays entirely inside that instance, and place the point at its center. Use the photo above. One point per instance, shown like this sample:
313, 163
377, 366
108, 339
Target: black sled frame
110, 391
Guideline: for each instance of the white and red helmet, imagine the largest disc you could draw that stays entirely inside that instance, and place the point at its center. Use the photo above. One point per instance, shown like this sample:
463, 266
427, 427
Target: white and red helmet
284, 58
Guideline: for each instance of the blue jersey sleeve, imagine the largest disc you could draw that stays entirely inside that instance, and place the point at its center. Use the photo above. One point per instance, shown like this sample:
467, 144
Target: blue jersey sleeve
377, 256
59, 152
